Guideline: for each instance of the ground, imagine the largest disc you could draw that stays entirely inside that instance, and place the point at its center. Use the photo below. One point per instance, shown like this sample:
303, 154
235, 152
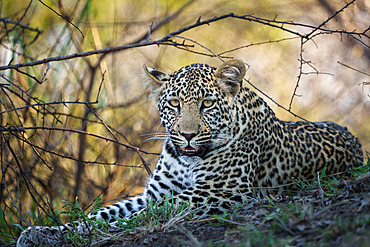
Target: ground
327, 212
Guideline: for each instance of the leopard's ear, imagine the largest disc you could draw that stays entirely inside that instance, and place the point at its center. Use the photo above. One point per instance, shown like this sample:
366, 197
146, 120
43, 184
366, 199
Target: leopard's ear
229, 76
159, 78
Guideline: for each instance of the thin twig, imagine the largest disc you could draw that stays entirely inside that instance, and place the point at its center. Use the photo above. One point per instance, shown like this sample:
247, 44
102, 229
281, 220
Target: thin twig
72, 158
70, 22
79, 132
257, 44
299, 75
28, 182
149, 32
47, 103
195, 42
275, 102
85, 54
166, 40
328, 19
30, 76
8, 20
163, 22
46, 71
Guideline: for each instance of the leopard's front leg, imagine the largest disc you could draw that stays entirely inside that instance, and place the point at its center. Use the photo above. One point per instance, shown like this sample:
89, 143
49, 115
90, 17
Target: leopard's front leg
43, 236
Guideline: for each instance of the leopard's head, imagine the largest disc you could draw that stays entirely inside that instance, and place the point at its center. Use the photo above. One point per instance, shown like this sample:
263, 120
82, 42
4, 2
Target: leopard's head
195, 104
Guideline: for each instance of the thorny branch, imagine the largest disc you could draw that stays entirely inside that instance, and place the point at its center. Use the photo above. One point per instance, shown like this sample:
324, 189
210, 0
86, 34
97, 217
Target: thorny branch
167, 40
301, 61
79, 132
17, 132
328, 19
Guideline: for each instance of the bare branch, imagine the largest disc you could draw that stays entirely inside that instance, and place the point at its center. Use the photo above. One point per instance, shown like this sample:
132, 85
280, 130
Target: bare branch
85, 54
70, 22
195, 42
20, 129
166, 40
257, 44
328, 19
47, 103
275, 102
299, 75
7, 20
34, 146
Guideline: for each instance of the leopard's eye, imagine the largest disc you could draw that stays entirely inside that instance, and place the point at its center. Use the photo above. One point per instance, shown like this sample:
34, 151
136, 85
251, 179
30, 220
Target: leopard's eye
174, 103
208, 103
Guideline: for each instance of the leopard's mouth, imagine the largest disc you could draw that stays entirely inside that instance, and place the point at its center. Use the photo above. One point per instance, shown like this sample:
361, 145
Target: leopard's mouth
190, 151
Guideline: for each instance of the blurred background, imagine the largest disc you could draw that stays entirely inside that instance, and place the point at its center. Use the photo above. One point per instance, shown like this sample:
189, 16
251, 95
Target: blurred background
49, 112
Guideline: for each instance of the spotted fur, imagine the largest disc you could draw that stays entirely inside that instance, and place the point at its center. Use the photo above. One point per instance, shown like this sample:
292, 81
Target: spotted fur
225, 145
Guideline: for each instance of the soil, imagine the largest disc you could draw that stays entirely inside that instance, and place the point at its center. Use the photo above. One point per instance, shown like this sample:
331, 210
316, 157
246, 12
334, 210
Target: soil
317, 217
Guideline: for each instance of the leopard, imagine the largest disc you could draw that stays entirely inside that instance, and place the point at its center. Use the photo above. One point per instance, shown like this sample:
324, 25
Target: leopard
224, 145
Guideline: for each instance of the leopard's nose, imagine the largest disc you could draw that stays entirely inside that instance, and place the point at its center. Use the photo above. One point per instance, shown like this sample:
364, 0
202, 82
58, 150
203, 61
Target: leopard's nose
188, 136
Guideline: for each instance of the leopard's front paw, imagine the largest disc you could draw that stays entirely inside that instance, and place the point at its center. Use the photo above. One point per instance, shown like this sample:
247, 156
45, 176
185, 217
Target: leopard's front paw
40, 236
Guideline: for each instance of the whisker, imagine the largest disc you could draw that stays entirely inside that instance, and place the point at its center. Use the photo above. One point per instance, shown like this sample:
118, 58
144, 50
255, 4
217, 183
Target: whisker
155, 133
156, 136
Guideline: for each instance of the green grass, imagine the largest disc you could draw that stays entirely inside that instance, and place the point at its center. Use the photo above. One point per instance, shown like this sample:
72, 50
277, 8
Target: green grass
156, 217
281, 218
